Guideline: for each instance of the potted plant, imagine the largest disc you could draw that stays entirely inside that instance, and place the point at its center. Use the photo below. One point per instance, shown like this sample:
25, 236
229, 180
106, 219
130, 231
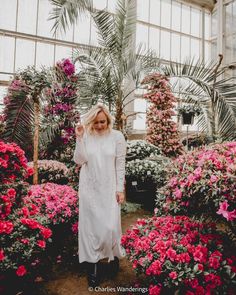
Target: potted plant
188, 111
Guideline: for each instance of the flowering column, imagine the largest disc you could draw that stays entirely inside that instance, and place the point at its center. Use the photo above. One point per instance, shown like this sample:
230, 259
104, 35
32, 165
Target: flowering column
162, 131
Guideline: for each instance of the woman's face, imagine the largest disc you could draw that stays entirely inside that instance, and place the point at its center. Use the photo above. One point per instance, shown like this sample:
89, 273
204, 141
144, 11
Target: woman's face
100, 123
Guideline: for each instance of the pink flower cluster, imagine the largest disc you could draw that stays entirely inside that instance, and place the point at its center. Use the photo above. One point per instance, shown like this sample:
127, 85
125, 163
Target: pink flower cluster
67, 66
6, 203
203, 182
58, 108
24, 236
162, 130
13, 163
19, 234
178, 253
20, 237
59, 203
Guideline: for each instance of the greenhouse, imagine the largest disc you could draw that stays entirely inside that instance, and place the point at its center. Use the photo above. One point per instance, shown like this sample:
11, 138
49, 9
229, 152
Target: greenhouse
117, 147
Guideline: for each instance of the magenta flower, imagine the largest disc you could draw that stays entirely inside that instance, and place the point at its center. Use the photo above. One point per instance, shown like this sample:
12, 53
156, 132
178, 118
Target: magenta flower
229, 215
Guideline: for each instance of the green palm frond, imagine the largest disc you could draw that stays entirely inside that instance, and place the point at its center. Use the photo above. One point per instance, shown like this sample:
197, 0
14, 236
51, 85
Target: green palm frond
19, 114
66, 12
217, 96
48, 133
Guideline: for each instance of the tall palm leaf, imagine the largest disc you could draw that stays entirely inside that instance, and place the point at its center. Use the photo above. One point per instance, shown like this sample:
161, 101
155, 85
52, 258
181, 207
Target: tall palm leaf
66, 12
217, 96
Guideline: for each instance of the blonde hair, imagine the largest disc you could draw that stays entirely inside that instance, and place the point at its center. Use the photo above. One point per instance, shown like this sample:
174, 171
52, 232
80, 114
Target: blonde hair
90, 117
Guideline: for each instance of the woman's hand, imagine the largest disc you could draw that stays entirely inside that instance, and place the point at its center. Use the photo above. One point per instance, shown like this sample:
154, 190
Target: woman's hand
120, 197
79, 130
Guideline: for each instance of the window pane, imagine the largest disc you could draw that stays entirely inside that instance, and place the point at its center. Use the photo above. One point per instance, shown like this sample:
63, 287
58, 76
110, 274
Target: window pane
82, 30
176, 16
111, 5
234, 16
5, 77
175, 47
8, 14
94, 34
140, 105
208, 51
62, 52
140, 122
195, 22
185, 48
154, 38
7, 45
234, 48
25, 50
213, 49
142, 35
44, 55
66, 36
165, 45
142, 10
27, 24
195, 49
214, 24
3, 93
185, 19
100, 4
44, 25
207, 25
228, 49
228, 18
165, 13
155, 12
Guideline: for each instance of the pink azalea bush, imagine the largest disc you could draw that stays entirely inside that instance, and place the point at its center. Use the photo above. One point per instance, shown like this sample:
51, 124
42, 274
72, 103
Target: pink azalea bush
23, 237
202, 182
23, 234
13, 163
179, 254
162, 131
59, 203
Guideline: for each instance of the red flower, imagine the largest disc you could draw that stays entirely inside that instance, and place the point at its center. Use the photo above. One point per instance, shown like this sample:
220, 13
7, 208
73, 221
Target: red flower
154, 290
31, 223
2, 256
45, 232
214, 262
41, 243
200, 267
173, 275
11, 192
21, 271
6, 227
25, 241
171, 254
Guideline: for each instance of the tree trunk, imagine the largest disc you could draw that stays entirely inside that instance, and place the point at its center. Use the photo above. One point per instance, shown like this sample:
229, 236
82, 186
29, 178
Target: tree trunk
36, 139
119, 112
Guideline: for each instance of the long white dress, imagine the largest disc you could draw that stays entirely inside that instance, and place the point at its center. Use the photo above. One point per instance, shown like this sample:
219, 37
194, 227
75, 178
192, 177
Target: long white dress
102, 175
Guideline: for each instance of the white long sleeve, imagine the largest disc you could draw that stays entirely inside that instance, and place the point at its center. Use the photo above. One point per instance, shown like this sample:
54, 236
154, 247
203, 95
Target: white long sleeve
120, 162
80, 156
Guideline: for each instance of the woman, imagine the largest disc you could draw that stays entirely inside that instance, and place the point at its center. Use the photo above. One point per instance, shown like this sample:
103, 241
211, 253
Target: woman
100, 151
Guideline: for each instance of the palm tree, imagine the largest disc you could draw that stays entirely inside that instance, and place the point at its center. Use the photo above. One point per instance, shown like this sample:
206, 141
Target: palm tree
204, 85
112, 71
22, 113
